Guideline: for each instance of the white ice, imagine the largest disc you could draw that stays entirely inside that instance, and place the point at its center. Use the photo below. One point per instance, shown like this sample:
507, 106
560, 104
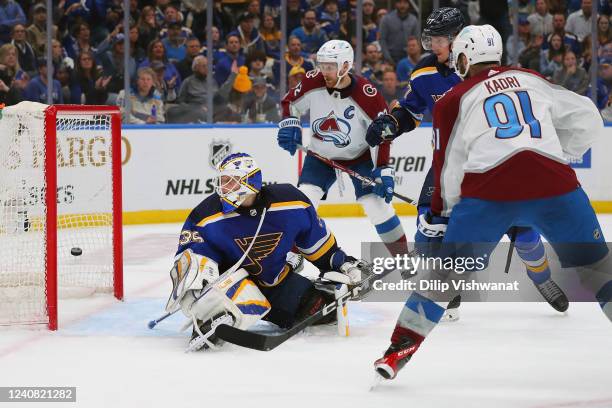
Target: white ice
498, 354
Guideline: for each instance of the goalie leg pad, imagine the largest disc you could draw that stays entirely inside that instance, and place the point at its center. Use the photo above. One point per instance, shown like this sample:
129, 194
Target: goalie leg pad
237, 295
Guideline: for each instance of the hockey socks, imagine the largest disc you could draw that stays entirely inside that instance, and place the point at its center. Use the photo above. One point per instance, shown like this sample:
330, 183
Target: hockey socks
419, 316
391, 230
530, 249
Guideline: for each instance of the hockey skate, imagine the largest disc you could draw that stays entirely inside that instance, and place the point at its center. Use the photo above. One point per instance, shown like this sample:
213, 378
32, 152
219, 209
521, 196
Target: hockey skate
451, 314
396, 357
553, 294
203, 336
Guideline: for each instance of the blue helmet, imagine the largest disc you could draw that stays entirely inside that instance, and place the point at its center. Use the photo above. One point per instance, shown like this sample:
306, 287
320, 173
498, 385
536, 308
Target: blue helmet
238, 176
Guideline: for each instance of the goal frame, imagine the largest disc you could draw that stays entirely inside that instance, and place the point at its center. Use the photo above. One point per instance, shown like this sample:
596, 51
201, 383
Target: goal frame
51, 272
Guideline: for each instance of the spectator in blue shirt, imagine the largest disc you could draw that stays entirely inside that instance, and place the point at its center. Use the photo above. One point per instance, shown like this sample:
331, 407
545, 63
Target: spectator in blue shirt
233, 54
311, 36
330, 18
36, 91
11, 13
78, 10
249, 36
569, 39
157, 52
406, 65
175, 42
79, 41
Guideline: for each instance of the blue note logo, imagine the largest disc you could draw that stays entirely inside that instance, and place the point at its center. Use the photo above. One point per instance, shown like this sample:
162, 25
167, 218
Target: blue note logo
332, 129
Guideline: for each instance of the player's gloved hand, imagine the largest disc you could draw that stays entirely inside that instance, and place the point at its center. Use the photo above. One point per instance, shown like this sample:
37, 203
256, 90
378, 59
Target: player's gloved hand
430, 232
381, 129
289, 134
430, 228
385, 182
347, 269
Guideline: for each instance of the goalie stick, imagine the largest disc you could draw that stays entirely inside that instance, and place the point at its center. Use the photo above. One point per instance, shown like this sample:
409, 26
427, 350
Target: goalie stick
353, 173
267, 342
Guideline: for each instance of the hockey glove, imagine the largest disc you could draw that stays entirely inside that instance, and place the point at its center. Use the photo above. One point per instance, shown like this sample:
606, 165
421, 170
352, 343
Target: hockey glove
346, 269
385, 182
289, 134
430, 233
381, 129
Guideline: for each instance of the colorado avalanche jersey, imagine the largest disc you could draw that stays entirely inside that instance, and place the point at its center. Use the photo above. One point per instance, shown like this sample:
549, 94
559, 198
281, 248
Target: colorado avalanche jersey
506, 135
340, 118
428, 82
290, 220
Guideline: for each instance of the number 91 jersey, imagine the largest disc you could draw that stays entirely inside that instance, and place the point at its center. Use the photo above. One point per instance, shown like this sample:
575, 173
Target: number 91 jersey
506, 135
339, 118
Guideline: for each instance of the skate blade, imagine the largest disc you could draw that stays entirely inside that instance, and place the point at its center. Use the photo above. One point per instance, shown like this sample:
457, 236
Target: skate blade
378, 379
450, 316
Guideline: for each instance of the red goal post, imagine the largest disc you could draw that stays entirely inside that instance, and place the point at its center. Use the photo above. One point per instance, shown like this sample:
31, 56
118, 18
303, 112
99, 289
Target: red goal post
61, 216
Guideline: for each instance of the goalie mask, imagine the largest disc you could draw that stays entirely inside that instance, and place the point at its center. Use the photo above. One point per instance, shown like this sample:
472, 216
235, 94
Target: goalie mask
238, 177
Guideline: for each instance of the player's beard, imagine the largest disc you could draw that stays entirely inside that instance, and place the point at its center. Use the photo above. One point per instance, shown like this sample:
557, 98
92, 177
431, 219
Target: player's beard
330, 83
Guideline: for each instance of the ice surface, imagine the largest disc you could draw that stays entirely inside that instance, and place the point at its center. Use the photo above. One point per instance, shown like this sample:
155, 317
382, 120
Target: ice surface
497, 355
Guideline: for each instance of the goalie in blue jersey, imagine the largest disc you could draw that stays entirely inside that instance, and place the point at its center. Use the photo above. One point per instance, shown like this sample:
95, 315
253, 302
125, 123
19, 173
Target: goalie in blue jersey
248, 231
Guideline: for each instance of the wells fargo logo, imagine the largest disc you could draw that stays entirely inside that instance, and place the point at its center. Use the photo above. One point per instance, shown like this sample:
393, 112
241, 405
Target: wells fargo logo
72, 152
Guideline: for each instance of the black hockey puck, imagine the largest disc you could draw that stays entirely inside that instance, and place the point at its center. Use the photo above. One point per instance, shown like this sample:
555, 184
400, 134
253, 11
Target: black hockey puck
76, 251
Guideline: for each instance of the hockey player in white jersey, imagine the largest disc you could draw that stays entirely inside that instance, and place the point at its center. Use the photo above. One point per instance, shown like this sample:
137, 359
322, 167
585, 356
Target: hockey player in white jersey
502, 139
341, 107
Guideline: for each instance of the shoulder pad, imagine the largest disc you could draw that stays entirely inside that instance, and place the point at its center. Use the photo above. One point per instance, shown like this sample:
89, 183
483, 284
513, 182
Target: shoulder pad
427, 61
276, 193
209, 206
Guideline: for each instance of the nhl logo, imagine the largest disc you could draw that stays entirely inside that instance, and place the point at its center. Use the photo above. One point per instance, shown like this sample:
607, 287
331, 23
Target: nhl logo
596, 234
219, 150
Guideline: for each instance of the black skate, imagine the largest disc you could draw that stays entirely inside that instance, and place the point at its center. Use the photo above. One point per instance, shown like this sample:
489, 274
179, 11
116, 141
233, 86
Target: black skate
451, 314
553, 294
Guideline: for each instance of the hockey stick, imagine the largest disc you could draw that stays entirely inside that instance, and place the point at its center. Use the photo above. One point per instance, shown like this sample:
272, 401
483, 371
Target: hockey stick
221, 277
267, 342
511, 248
353, 173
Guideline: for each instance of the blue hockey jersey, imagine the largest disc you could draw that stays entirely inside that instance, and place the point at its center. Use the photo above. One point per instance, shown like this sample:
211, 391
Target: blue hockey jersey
428, 82
290, 221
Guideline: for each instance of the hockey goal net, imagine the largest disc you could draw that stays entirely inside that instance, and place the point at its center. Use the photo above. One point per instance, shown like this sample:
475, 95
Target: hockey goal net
60, 208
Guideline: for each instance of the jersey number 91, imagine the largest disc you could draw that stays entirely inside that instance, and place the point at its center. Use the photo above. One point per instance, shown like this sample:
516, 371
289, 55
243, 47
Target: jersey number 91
513, 125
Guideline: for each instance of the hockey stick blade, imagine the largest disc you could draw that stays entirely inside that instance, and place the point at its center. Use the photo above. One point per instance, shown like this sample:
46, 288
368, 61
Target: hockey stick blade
267, 342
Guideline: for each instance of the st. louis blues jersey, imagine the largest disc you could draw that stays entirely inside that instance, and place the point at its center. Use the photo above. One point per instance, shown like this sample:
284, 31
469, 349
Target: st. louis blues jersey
290, 221
338, 118
428, 82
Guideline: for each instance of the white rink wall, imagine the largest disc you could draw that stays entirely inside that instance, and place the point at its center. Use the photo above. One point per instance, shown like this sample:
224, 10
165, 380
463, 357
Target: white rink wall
168, 169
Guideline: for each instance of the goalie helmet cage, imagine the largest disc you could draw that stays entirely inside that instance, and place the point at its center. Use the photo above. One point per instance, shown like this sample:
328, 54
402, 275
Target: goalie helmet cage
60, 222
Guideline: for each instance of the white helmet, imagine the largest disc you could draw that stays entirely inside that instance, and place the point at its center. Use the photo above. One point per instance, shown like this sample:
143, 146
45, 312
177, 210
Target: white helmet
338, 52
478, 44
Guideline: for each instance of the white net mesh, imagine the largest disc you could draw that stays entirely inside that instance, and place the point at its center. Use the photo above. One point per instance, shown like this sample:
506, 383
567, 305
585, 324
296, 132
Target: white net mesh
84, 209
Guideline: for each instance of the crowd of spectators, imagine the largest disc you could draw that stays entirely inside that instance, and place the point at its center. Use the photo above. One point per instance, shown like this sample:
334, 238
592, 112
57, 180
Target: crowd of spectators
168, 61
